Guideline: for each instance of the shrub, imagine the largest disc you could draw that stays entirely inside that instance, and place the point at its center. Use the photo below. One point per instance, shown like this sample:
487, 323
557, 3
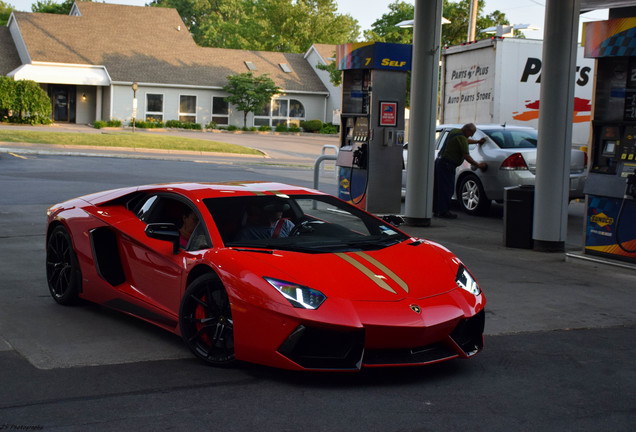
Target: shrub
329, 128
264, 128
98, 124
232, 128
24, 101
281, 128
178, 124
149, 123
294, 128
311, 125
211, 125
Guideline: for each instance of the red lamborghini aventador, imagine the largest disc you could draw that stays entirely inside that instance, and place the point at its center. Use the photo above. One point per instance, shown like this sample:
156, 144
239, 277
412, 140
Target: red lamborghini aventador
266, 273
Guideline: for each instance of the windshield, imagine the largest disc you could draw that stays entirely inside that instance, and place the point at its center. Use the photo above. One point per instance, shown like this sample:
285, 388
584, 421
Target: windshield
513, 138
304, 223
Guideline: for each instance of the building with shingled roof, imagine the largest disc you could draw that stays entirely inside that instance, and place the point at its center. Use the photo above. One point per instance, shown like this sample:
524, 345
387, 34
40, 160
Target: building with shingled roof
88, 60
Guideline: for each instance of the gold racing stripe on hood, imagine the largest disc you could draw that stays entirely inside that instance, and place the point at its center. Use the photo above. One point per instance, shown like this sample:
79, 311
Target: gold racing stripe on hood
385, 269
366, 271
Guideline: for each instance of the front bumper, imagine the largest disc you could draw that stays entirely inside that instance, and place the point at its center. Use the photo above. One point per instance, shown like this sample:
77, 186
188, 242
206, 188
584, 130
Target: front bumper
336, 349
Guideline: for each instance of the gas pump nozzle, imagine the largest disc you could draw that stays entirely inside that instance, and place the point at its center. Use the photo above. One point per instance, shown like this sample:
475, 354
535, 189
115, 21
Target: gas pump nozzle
630, 187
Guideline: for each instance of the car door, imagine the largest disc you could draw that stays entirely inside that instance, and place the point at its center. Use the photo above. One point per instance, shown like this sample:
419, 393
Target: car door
156, 274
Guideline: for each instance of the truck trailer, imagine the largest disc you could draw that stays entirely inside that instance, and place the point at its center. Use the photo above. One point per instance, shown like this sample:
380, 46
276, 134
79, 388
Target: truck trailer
498, 80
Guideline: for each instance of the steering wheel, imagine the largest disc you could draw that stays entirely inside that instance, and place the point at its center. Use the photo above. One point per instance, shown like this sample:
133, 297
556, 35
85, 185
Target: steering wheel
303, 226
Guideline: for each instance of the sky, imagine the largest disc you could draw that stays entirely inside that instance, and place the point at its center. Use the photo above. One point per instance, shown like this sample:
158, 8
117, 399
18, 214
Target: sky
367, 11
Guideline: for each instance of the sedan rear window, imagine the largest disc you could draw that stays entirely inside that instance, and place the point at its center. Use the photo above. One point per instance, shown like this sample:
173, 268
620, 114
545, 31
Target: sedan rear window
513, 138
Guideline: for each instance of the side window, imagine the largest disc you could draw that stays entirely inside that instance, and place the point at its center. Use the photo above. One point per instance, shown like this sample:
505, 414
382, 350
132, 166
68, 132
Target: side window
164, 209
498, 138
144, 210
441, 139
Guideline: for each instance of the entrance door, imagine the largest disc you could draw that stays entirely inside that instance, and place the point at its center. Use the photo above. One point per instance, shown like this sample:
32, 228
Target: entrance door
63, 100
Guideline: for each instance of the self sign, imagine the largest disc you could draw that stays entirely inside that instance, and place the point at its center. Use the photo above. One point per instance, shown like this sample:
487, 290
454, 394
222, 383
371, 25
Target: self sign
392, 63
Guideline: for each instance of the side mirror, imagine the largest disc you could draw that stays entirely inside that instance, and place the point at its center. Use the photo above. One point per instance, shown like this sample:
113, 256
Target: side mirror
166, 232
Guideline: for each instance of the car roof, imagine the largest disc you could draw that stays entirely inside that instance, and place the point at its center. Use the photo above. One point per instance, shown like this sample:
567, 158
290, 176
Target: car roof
199, 191
486, 126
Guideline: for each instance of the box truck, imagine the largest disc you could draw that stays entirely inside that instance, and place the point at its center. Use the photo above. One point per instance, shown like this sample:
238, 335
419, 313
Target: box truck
498, 80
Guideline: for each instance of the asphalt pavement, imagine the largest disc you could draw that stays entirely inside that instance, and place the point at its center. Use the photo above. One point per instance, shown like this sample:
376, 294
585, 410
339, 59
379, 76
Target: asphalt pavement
558, 352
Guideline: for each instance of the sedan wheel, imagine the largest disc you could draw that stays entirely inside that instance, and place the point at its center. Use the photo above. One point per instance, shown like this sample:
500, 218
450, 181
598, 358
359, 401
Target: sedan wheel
205, 319
62, 268
472, 196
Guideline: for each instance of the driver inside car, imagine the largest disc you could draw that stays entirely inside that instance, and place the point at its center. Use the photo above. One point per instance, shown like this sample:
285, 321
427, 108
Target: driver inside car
266, 222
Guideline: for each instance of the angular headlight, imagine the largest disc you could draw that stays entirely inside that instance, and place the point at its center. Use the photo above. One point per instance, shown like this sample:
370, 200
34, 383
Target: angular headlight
465, 281
299, 296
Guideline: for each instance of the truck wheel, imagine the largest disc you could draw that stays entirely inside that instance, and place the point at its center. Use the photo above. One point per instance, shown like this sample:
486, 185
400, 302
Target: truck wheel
472, 197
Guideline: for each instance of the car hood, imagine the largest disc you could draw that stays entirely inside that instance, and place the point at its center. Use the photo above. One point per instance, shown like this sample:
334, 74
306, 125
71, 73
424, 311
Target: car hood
411, 269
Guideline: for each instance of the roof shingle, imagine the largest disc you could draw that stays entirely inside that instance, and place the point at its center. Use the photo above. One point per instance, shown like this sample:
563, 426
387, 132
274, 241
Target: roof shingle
151, 45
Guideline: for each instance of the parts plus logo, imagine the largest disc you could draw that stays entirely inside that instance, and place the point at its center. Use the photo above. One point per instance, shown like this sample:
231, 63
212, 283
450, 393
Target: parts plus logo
582, 111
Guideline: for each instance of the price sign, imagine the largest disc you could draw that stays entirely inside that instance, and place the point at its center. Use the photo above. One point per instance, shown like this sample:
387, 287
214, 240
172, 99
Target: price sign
629, 114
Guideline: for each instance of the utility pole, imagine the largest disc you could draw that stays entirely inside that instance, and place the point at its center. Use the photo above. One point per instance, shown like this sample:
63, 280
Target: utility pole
472, 21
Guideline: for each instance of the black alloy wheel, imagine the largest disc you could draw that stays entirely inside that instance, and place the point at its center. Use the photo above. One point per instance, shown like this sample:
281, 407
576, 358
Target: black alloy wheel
62, 268
205, 319
472, 197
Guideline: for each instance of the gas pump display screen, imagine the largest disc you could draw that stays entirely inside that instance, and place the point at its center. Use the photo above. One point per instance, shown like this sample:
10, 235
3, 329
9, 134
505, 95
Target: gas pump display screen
609, 149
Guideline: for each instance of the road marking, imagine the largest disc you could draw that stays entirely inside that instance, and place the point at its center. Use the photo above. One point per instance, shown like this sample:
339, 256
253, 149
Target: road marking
18, 156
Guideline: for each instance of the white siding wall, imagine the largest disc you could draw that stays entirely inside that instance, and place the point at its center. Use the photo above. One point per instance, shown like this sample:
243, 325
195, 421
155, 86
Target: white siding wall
334, 102
85, 109
122, 103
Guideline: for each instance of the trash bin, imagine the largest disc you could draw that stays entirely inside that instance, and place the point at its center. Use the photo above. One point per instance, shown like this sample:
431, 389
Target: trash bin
518, 216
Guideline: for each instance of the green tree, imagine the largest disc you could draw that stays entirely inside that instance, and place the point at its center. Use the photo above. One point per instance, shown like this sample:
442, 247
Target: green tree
213, 15
454, 33
5, 12
250, 93
335, 75
23, 101
7, 96
266, 25
49, 6
384, 29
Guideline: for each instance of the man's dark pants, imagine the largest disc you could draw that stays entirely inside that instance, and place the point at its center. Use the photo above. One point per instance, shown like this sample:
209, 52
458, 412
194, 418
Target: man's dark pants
444, 185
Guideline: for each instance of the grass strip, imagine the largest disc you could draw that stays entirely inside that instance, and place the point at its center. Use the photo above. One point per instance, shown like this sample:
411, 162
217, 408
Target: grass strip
126, 140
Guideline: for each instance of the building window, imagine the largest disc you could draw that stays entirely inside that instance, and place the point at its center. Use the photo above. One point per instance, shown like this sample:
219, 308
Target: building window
220, 111
188, 109
280, 111
262, 117
154, 107
296, 109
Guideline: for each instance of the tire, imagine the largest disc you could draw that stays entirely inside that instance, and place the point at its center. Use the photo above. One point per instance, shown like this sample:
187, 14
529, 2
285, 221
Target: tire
63, 272
471, 196
205, 319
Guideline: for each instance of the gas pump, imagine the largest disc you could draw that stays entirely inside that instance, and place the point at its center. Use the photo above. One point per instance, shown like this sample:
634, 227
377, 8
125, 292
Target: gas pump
611, 184
372, 124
